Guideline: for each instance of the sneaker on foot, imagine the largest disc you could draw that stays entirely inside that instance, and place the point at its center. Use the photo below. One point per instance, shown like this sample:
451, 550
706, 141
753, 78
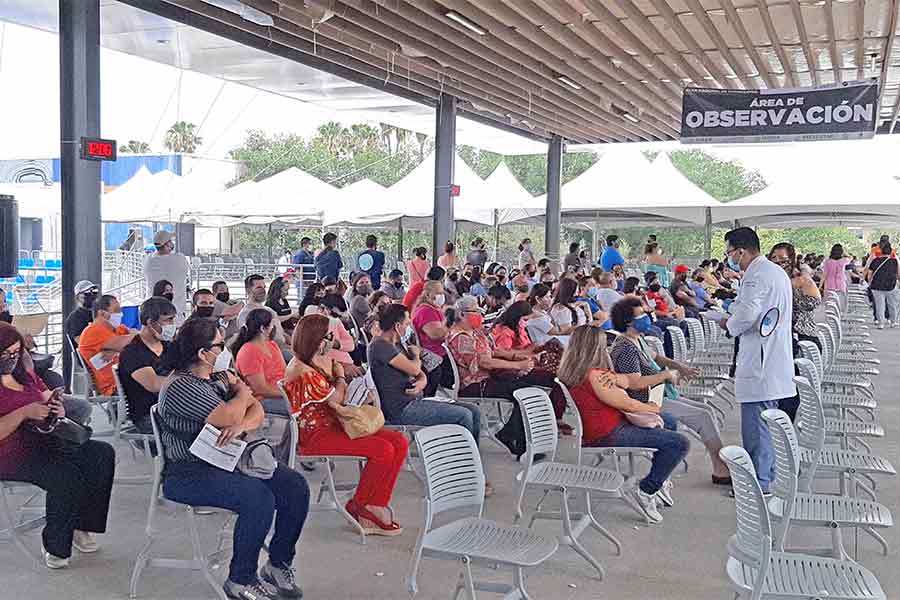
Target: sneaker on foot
282, 578
84, 542
665, 494
256, 590
55, 562
647, 504
881, 325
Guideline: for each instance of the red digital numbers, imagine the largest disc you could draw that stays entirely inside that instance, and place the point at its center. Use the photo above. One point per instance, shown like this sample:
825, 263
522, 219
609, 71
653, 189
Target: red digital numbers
98, 149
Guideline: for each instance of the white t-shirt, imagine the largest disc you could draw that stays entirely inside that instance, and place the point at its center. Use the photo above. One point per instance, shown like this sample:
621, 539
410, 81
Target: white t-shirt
562, 316
539, 330
606, 297
171, 267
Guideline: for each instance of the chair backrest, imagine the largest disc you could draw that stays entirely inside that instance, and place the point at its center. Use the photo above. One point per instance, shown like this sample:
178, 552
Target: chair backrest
454, 368
810, 417
826, 336
578, 432
698, 337
752, 541
655, 343
540, 422
810, 352
679, 344
454, 476
292, 424
159, 465
808, 370
120, 407
787, 467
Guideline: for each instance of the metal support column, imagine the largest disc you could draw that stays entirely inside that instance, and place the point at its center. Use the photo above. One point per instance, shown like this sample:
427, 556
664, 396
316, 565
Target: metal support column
399, 242
79, 112
553, 215
444, 159
707, 234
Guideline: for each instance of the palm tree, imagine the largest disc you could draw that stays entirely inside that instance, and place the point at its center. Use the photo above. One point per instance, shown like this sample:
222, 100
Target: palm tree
134, 147
422, 139
333, 135
181, 138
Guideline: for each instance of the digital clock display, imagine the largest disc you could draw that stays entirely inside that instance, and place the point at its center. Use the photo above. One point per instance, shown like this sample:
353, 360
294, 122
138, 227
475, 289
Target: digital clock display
98, 149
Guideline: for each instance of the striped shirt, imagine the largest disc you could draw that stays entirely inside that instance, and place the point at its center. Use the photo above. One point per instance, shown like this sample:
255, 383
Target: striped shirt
184, 406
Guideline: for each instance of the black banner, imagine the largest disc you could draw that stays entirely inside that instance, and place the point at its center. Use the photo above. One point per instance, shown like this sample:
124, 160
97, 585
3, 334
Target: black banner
844, 111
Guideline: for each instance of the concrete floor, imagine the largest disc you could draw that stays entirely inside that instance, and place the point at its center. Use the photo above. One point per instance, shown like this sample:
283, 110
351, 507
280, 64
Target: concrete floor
682, 558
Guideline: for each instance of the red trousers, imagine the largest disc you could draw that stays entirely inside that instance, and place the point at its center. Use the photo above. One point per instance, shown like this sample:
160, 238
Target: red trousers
385, 453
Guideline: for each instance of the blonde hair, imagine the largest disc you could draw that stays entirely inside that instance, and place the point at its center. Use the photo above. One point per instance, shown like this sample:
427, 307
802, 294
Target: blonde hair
586, 351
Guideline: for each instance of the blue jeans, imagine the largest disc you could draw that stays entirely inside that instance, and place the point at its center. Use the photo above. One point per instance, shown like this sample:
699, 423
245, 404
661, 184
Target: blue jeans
274, 406
757, 440
255, 501
431, 412
671, 448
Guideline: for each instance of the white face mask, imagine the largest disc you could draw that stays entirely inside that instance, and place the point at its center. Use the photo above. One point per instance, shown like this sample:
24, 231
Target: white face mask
439, 300
223, 361
115, 319
168, 332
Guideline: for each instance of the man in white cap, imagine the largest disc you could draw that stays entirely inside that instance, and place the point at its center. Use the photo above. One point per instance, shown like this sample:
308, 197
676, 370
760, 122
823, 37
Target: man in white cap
167, 264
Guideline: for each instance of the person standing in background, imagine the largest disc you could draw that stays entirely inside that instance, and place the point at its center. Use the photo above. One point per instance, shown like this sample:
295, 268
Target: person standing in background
882, 273
761, 315
572, 261
371, 261
448, 260
610, 257
834, 274
477, 256
328, 260
417, 268
526, 256
172, 266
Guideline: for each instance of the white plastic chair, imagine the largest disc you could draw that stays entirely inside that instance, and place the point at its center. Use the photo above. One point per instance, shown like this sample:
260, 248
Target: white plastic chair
329, 484
93, 395
77, 374
811, 369
19, 521
201, 561
454, 481
123, 430
790, 507
756, 571
550, 476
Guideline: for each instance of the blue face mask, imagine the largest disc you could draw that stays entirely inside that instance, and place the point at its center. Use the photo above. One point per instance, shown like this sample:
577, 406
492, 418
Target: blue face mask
734, 266
642, 324
593, 292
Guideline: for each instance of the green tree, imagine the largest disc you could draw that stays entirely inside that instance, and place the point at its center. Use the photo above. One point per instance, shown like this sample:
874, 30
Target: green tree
723, 180
182, 137
134, 147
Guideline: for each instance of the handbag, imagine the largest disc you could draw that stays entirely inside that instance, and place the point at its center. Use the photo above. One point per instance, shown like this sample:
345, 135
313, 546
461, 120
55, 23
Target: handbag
64, 434
258, 458
359, 421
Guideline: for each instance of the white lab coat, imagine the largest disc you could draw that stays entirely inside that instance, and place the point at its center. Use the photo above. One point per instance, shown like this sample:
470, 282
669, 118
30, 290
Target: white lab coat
765, 365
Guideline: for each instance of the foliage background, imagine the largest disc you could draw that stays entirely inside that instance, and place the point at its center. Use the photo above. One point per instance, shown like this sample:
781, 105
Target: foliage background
343, 155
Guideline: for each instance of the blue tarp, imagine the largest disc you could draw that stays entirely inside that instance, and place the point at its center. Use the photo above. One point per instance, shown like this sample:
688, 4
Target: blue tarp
124, 168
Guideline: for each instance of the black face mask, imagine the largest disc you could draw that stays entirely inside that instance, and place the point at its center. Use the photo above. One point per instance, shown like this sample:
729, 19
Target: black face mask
655, 287
204, 311
398, 284
88, 301
169, 296
223, 296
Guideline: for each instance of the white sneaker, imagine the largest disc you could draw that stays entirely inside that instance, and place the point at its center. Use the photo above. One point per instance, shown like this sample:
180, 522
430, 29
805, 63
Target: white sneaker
55, 562
880, 324
664, 494
647, 503
84, 542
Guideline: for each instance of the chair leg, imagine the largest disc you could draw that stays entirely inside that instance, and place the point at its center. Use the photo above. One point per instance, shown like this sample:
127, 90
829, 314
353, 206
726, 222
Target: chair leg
570, 534
139, 563
200, 558
519, 582
600, 528
339, 506
470, 581
14, 528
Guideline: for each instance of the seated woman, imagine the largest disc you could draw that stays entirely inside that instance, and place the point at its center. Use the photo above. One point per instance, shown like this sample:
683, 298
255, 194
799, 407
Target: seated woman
259, 360
316, 384
540, 325
376, 301
358, 297
645, 368
600, 397
78, 481
567, 313
276, 299
431, 329
311, 297
164, 289
195, 397
488, 373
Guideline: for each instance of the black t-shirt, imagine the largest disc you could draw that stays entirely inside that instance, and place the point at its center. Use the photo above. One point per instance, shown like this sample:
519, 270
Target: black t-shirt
281, 307
136, 356
77, 321
885, 273
5, 317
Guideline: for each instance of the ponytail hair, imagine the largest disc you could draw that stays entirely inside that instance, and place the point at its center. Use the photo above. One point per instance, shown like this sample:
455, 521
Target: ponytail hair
257, 319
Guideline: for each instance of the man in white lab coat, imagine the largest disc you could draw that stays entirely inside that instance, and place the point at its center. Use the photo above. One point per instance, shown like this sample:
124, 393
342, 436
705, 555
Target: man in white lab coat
761, 316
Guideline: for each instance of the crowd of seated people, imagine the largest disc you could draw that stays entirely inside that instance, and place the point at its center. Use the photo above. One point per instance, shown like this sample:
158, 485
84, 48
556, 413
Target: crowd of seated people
465, 329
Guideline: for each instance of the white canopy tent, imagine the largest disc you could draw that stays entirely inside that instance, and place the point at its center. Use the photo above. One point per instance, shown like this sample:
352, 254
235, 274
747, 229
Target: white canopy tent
504, 201
163, 197
820, 198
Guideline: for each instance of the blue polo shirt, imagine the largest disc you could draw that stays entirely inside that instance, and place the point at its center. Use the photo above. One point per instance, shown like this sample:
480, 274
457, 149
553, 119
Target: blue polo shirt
610, 258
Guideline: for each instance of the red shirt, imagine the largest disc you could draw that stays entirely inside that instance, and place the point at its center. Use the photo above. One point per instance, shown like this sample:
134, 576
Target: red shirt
17, 445
598, 418
309, 395
424, 314
506, 339
661, 304
415, 290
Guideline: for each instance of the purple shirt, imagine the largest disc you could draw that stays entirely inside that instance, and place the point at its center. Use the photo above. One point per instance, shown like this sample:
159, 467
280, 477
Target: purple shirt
17, 445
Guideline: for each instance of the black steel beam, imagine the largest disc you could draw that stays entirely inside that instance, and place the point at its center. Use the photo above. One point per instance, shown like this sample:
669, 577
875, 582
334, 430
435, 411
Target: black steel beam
553, 215
444, 162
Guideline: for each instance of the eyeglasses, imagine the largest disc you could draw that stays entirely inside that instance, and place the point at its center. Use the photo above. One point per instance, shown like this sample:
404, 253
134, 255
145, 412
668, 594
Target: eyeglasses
11, 354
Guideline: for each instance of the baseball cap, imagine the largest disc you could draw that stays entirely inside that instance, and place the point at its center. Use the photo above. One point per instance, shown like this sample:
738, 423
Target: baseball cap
682, 269
84, 285
163, 237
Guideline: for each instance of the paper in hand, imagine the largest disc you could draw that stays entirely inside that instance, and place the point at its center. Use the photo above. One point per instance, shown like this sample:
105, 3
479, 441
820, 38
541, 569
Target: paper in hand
225, 457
